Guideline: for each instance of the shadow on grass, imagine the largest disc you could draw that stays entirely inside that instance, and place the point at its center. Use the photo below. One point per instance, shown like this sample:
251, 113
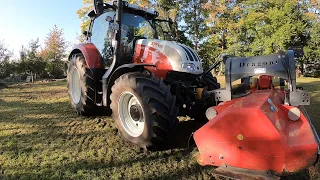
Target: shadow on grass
107, 166
183, 135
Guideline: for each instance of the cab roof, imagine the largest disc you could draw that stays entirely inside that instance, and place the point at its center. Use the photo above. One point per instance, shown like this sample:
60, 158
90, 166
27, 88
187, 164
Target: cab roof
129, 7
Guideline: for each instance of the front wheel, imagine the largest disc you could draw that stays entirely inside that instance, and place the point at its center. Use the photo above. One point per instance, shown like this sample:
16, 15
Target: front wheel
144, 110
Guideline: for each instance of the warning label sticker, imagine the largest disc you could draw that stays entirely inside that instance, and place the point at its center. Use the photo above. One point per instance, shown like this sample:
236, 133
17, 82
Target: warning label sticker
273, 107
260, 70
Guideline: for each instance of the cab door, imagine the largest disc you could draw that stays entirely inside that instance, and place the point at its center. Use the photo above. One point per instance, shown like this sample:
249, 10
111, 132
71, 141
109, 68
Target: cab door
101, 36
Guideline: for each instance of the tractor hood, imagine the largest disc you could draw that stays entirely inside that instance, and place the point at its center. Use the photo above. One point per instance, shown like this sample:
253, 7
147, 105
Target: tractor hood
173, 55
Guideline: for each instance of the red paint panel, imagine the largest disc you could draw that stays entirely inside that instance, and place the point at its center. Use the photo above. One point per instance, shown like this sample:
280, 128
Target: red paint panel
252, 133
91, 54
149, 55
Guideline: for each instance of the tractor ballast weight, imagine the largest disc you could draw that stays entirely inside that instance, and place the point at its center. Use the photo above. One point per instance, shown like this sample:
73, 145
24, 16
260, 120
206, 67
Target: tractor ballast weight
263, 132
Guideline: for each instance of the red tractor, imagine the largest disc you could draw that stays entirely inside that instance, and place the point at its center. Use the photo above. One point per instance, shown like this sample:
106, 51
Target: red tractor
124, 68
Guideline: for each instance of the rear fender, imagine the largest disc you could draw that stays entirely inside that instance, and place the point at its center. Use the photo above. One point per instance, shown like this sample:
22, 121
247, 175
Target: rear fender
91, 54
126, 68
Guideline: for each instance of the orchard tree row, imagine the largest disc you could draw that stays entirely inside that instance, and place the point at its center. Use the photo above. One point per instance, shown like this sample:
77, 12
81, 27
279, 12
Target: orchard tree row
45, 62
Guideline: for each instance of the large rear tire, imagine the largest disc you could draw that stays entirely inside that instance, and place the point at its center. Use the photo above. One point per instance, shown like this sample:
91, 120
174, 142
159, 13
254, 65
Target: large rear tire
81, 86
144, 110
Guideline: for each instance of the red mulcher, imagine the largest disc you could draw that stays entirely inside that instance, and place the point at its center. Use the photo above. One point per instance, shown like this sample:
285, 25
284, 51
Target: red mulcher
264, 133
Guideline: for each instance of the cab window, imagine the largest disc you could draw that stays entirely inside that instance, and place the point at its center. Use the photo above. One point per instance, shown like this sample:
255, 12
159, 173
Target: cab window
101, 36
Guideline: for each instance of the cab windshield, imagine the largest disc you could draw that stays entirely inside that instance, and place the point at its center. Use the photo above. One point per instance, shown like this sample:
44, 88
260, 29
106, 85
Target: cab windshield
136, 26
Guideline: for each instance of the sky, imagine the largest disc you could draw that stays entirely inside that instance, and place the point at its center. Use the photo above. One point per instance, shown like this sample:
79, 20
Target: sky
23, 20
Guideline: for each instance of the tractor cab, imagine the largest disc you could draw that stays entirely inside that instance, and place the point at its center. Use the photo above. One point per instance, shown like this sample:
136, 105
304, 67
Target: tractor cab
136, 23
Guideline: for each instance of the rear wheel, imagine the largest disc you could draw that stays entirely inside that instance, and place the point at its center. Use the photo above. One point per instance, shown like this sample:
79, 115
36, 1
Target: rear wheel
81, 86
144, 110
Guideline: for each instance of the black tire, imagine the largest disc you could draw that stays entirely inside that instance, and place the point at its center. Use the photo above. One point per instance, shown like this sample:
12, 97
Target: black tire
86, 105
157, 104
210, 82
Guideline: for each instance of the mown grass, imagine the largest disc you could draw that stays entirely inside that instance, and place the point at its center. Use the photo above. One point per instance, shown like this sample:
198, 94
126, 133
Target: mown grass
42, 138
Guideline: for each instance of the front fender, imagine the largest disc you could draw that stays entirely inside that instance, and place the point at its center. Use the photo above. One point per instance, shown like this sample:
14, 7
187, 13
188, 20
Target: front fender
91, 54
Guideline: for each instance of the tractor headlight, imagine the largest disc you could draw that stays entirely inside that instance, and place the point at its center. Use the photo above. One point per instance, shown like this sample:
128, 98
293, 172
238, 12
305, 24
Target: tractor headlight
189, 67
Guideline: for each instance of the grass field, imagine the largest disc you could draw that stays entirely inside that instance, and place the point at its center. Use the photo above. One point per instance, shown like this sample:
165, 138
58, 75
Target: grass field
42, 138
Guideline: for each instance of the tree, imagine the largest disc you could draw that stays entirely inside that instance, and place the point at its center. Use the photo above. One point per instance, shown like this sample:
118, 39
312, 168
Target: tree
223, 22
54, 52
54, 45
33, 62
6, 67
4, 52
194, 15
22, 66
312, 16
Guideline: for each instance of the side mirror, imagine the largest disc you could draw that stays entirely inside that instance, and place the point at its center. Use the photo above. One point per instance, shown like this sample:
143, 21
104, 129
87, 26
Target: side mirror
86, 33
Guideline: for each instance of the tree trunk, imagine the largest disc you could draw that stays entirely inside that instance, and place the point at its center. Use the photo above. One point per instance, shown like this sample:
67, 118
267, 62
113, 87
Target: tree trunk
301, 67
32, 77
221, 64
196, 32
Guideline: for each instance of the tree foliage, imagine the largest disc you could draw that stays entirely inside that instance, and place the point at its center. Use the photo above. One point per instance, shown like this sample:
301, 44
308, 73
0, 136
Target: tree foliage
54, 45
33, 62
258, 27
4, 52
54, 51
194, 15
6, 67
